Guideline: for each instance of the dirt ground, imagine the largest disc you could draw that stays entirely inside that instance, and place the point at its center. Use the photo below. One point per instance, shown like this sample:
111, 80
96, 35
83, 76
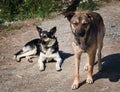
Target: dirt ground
26, 77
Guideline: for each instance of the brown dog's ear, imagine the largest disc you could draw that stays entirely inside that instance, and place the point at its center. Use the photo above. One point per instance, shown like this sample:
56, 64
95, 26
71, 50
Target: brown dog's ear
53, 30
69, 15
90, 16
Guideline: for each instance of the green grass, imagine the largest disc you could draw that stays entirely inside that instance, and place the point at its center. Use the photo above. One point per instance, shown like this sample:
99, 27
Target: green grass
11, 27
13, 10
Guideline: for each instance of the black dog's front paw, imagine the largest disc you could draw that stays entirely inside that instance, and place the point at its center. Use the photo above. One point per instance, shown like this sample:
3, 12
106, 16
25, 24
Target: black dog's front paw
30, 60
41, 68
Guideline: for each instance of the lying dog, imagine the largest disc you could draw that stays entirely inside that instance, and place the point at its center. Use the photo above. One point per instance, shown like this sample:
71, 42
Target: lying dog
46, 47
88, 30
49, 48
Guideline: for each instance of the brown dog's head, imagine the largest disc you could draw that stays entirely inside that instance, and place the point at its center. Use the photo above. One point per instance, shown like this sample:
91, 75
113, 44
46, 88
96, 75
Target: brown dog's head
80, 22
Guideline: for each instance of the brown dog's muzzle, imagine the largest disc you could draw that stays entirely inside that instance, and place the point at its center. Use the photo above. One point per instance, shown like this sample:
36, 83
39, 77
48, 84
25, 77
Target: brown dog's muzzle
78, 29
80, 33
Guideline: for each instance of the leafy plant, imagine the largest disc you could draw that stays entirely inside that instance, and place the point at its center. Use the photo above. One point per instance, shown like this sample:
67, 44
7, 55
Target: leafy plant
88, 5
11, 10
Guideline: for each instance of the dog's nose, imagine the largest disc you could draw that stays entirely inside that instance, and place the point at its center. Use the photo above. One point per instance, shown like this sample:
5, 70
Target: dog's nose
80, 33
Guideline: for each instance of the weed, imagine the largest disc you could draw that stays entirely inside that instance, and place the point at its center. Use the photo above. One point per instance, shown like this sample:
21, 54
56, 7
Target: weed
88, 5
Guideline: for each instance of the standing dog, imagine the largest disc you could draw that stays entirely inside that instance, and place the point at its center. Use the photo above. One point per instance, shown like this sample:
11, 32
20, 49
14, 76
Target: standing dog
46, 47
88, 30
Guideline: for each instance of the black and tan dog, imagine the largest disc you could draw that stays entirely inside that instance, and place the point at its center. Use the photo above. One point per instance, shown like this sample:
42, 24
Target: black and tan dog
89, 30
46, 47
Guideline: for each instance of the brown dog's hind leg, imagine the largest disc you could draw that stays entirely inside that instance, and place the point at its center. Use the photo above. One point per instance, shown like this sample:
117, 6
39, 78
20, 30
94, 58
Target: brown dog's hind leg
99, 56
100, 38
77, 55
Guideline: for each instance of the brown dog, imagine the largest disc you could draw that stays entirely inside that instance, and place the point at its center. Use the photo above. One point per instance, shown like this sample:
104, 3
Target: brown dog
88, 30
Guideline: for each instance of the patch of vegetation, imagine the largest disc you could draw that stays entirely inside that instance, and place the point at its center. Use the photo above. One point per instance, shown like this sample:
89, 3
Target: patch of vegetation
88, 5
13, 10
10, 27
37, 23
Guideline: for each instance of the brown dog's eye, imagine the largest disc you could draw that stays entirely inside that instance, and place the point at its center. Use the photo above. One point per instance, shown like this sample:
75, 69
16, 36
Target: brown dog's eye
85, 24
76, 24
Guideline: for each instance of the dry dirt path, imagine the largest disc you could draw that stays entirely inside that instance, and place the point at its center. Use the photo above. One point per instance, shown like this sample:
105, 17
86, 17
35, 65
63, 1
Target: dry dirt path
25, 76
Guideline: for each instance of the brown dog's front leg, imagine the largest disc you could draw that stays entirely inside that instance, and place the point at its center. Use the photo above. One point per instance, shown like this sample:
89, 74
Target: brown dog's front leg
77, 54
91, 57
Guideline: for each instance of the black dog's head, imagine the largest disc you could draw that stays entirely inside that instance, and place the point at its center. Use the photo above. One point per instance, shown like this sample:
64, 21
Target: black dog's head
46, 36
80, 22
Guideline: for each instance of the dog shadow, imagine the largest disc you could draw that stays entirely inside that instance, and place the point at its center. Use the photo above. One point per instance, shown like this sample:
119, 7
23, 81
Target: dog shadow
110, 69
65, 55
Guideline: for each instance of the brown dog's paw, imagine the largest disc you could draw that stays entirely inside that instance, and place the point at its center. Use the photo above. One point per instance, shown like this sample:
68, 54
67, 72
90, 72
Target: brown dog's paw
89, 80
75, 85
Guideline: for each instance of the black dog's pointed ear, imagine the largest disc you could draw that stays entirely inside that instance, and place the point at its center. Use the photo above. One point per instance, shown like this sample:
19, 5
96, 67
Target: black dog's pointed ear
39, 29
53, 31
69, 15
